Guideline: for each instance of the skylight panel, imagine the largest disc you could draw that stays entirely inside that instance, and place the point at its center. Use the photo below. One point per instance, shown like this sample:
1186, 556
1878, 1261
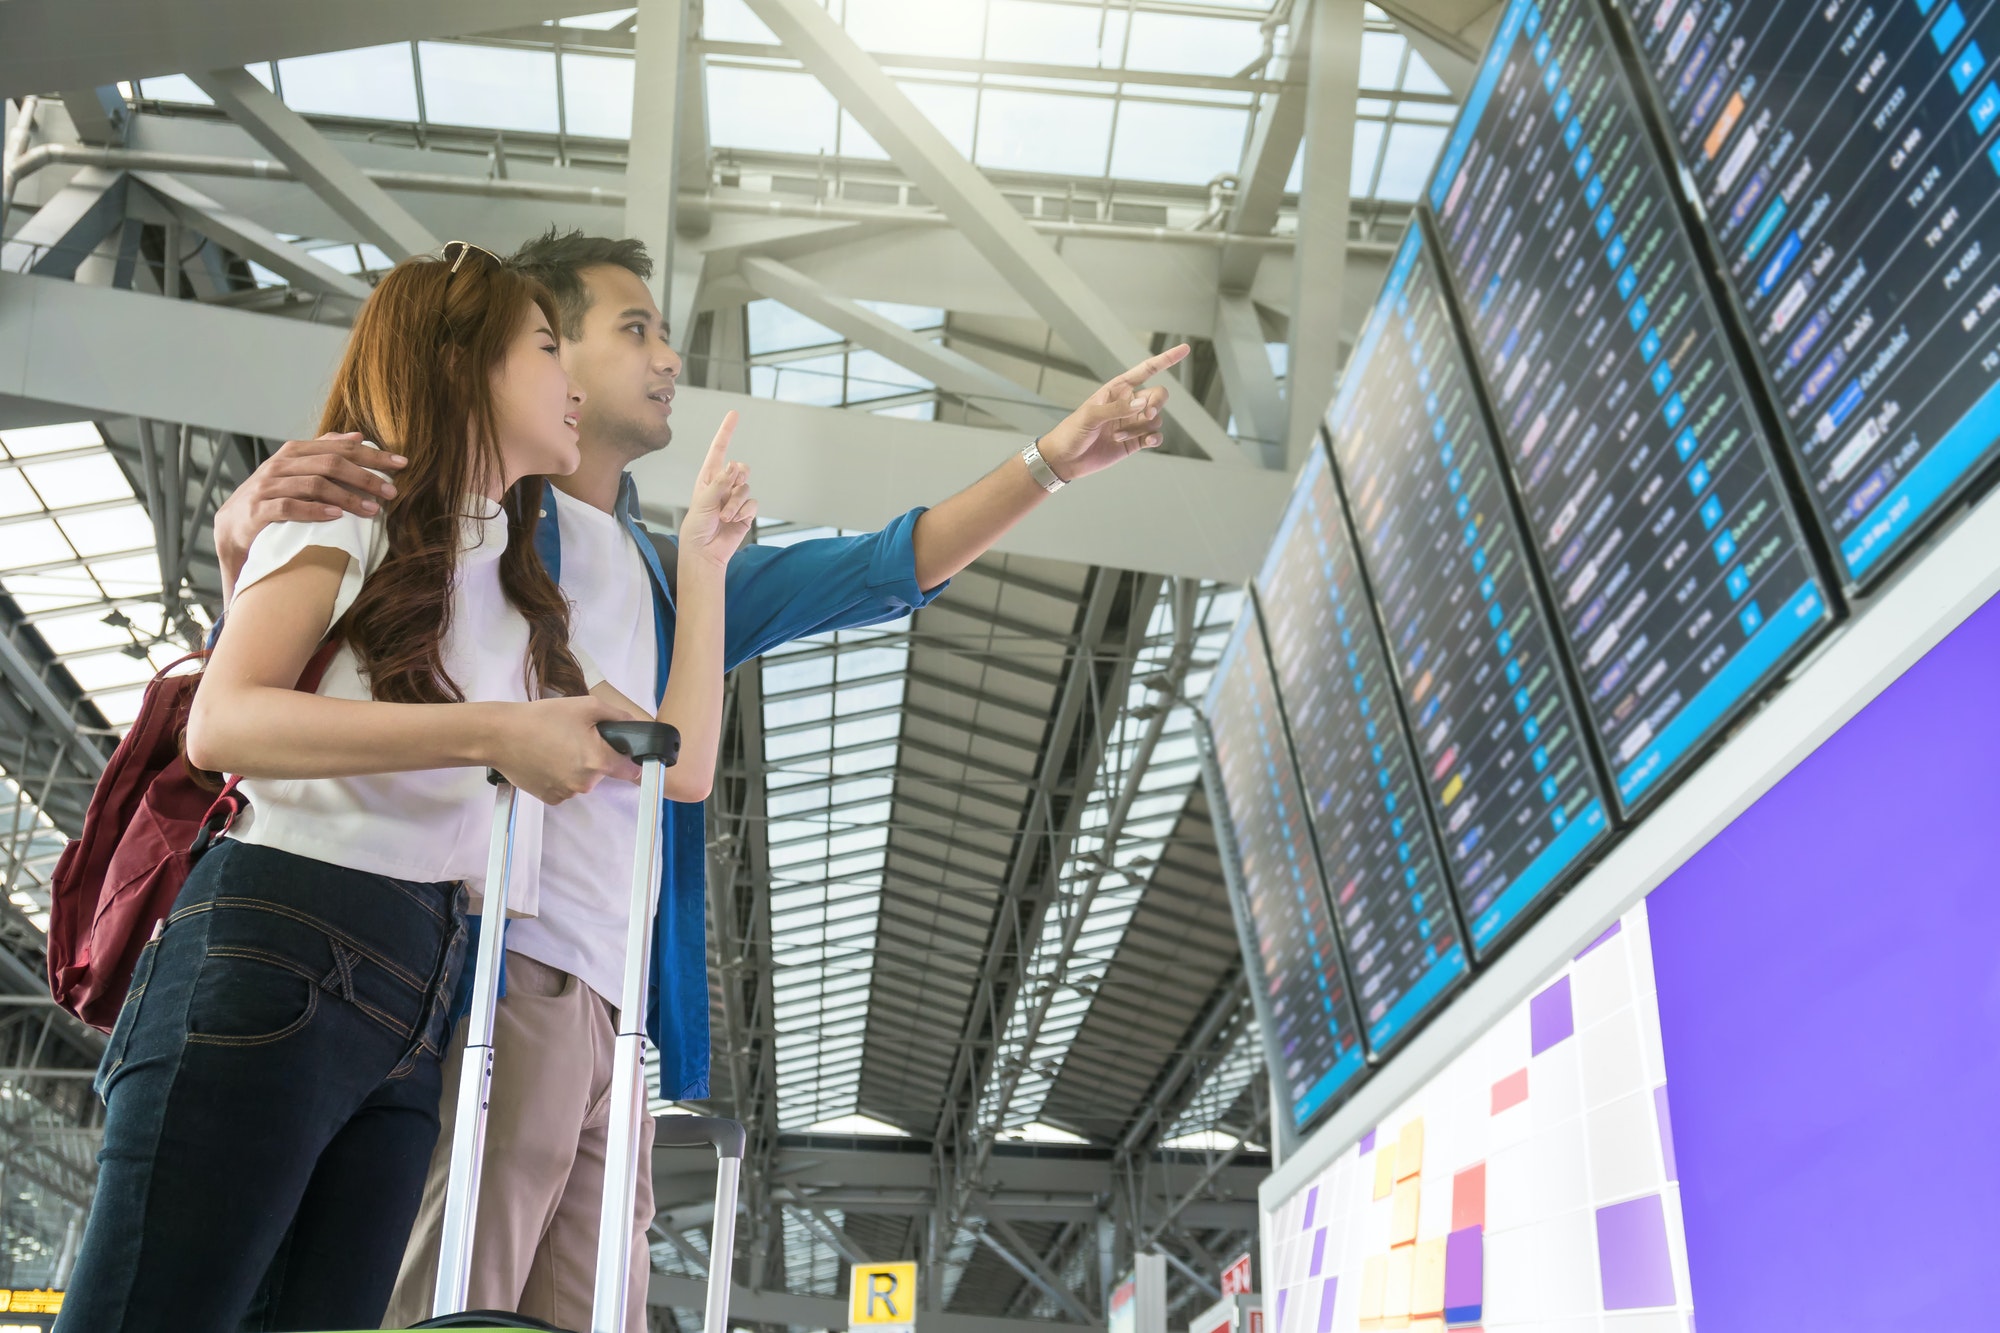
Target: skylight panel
732, 21
951, 107
1187, 145
1050, 132
597, 95
1407, 160
772, 110
918, 27
775, 327
489, 87
1192, 43
1035, 33
370, 81
1382, 59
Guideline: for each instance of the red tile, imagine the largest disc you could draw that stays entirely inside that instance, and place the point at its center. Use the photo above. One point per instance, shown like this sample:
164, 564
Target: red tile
1468, 1198
1510, 1091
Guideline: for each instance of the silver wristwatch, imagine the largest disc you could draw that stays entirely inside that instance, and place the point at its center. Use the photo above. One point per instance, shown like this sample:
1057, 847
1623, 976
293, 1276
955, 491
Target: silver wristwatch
1038, 468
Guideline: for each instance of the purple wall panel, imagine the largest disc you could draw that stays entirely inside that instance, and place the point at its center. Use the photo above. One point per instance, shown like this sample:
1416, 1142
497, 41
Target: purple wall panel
1829, 984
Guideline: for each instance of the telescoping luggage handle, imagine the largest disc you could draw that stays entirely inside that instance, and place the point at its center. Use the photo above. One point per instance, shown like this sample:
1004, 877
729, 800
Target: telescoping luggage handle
689, 1131
655, 745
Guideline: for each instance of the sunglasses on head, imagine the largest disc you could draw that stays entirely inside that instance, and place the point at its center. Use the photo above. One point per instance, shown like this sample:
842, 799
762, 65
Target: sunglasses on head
454, 253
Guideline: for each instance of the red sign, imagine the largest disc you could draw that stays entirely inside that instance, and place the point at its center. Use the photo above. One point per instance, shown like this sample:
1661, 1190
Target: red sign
1236, 1279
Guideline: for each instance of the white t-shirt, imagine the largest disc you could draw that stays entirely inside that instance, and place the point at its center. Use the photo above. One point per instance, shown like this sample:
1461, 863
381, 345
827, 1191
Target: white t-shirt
588, 842
429, 825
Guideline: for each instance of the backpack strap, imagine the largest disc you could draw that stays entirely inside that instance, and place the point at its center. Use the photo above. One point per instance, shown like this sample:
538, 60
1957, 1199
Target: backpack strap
230, 802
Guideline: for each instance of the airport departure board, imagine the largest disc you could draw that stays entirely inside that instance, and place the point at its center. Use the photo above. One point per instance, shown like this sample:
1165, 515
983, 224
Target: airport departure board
1847, 159
1681, 582
1317, 1047
1391, 901
1505, 759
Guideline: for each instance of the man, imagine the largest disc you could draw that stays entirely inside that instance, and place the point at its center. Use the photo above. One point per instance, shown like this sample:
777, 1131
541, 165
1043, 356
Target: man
535, 1237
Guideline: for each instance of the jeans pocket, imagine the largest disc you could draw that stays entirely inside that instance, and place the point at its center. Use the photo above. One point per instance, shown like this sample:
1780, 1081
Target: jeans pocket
249, 997
128, 1017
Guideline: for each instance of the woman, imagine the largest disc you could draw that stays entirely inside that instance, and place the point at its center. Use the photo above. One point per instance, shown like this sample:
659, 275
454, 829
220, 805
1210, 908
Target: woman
272, 1083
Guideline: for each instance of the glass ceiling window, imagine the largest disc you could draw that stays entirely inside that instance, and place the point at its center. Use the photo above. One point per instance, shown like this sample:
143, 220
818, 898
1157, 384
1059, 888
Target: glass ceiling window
1163, 792
832, 715
78, 561
796, 360
1016, 85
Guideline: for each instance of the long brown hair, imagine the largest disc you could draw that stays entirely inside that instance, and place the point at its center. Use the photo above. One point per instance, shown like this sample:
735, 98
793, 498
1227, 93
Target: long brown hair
416, 374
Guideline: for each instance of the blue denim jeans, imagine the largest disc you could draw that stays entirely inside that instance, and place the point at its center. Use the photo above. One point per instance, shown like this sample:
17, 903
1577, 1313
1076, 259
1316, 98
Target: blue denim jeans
271, 1093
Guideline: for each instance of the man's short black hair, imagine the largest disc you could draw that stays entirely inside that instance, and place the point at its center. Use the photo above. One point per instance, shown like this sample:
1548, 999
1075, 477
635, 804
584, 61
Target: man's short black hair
558, 259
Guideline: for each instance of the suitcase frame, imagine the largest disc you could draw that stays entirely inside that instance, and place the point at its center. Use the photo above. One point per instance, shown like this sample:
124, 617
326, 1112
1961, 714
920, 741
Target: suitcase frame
655, 746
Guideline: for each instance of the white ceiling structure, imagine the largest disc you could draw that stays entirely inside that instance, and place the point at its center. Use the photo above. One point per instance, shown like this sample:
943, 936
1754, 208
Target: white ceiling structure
976, 991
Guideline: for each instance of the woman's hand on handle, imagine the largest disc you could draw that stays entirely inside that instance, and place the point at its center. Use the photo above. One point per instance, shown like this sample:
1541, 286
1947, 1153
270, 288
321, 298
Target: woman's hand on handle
722, 511
551, 750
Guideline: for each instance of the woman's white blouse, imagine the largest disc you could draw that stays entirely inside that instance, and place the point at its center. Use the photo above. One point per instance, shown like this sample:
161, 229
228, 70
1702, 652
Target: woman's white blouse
430, 825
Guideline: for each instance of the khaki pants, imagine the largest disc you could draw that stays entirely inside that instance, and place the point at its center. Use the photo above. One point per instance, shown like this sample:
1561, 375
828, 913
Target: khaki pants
534, 1248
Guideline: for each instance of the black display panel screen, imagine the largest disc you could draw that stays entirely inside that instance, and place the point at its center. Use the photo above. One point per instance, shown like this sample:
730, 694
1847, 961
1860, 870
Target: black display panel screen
1317, 1043
1847, 157
1504, 756
1391, 900
1680, 579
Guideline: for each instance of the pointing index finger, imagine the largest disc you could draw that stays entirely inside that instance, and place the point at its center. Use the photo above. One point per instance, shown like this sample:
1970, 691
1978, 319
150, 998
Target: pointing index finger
1154, 365
718, 448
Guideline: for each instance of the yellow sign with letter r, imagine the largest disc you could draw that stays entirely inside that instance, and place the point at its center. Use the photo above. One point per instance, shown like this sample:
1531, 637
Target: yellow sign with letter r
881, 1294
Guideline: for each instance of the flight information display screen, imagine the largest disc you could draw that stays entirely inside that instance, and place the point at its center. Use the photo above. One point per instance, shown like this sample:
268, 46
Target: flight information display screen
1681, 582
1305, 996
1847, 157
1504, 756
1391, 900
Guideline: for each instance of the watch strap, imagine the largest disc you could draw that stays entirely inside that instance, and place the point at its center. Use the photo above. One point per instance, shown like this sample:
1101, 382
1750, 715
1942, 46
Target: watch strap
1038, 468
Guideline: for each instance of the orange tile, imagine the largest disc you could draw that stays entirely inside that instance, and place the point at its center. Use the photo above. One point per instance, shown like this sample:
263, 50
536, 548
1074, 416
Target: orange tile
1427, 1287
1385, 1171
1396, 1278
1374, 1275
1403, 1224
1410, 1149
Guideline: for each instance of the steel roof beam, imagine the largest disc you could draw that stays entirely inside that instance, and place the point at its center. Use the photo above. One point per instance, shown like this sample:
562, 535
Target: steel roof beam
262, 375
335, 178
652, 165
1080, 317
68, 228
1319, 259
1268, 156
959, 376
85, 43
250, 239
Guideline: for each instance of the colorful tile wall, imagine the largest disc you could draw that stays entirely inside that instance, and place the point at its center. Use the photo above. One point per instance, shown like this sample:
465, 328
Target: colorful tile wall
1530, 1185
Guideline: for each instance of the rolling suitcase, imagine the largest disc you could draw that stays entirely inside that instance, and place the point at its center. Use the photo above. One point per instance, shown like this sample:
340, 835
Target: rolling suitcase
654, 745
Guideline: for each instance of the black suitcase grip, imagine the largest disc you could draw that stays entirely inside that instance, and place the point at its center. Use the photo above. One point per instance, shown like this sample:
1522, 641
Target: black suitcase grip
691, 1131
643, 740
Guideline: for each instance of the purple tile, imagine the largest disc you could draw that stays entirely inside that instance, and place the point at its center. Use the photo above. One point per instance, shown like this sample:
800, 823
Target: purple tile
1368, 1143
1666, 1131
1312, 1205
1464, 1275
1284, 1294
1609, 931
1319, 1251
1326, 1305
1632, 1254
1550, 1018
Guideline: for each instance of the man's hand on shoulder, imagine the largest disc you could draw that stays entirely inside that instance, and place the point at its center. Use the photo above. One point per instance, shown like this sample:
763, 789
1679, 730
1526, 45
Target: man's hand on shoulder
1114, 423
305, 481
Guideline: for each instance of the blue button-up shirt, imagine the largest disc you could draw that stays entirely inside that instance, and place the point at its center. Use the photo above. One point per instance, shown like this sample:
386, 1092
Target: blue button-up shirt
774, 594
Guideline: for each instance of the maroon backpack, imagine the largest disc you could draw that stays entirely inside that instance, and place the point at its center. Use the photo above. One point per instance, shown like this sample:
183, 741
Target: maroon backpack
151, 816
